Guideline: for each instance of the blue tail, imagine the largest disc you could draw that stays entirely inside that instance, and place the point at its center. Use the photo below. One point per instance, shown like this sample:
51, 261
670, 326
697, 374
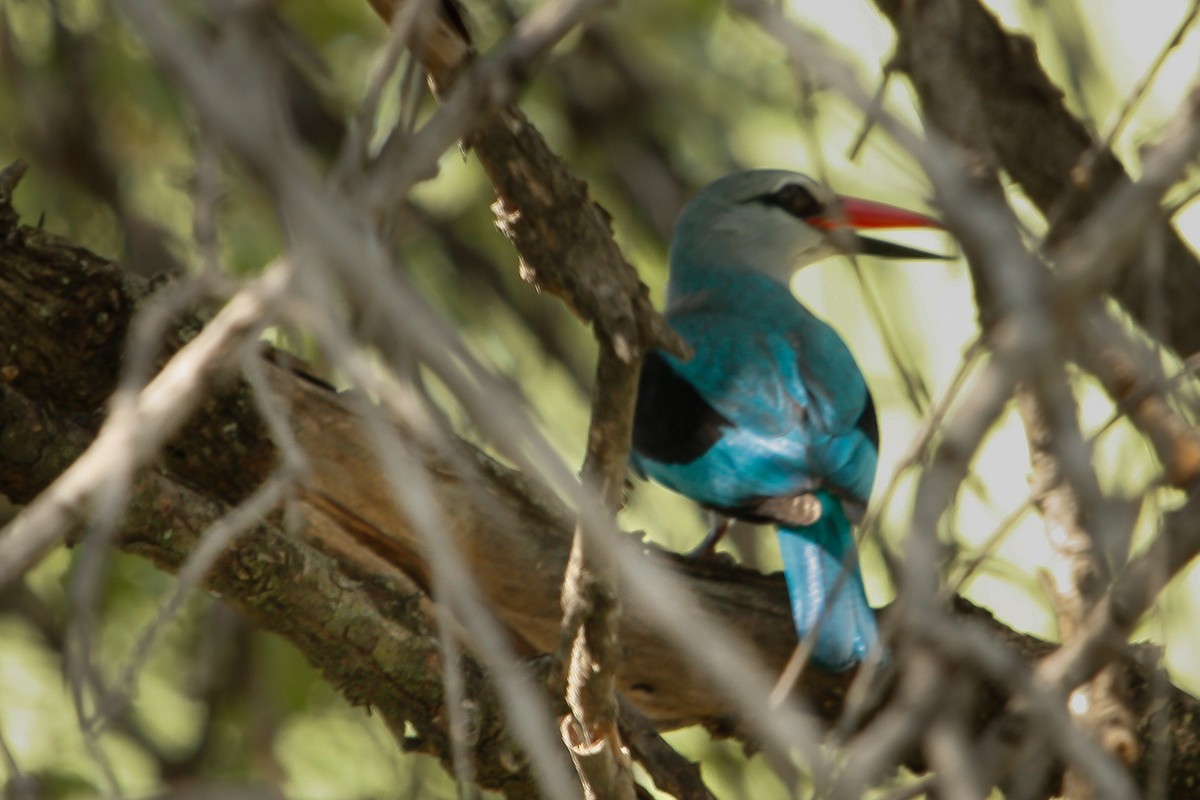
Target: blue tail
826, 588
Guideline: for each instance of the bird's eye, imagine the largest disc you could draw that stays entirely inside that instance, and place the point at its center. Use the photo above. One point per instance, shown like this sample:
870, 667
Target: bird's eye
794, 199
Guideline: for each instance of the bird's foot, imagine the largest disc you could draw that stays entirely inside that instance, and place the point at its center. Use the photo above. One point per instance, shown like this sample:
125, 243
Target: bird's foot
649, 545
707, 549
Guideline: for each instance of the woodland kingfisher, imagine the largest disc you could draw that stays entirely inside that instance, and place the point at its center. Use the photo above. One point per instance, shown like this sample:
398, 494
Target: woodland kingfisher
770, 420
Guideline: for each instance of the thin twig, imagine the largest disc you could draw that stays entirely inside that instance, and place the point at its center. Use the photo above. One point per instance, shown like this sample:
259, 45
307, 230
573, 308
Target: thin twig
1082, 173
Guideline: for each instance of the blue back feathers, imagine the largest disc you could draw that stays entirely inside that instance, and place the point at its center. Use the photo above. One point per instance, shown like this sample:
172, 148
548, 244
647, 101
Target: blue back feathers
771, 406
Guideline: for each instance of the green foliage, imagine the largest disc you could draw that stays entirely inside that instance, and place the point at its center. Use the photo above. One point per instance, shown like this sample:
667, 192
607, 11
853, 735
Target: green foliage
705, 93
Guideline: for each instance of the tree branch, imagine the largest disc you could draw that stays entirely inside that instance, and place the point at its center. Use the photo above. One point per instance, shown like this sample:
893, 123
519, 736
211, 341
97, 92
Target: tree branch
978, 83
357, 559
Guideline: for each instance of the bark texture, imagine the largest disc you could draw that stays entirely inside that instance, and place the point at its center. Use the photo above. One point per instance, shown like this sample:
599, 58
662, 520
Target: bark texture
348, 584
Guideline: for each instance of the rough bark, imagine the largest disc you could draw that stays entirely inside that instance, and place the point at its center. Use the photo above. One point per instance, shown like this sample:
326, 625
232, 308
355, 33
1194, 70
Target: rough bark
349, 585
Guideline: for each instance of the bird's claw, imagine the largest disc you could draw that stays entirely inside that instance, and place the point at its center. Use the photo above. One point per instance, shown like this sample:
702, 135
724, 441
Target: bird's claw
707, 549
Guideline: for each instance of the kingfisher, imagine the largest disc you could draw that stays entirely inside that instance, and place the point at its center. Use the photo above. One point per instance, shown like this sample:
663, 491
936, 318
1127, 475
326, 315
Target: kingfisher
770, 420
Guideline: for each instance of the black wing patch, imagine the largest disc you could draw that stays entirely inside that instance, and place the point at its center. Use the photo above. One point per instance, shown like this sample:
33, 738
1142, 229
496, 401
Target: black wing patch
672, 422
868, 423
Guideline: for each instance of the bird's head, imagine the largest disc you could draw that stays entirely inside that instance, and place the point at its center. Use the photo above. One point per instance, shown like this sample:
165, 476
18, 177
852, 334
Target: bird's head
776, 221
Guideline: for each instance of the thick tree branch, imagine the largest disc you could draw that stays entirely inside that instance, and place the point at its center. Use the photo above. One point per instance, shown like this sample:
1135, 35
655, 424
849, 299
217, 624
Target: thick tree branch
566, 247
365, 623
354, 546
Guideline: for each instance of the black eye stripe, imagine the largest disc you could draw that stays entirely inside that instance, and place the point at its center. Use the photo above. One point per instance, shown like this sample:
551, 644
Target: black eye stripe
794, 199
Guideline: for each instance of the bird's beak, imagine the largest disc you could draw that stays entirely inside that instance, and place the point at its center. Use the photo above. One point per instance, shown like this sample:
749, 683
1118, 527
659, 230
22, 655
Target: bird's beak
853, 214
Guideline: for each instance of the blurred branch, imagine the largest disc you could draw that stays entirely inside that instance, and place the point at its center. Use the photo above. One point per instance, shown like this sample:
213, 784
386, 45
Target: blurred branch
671, 772
563, 238
979, 84
566, 247
1076, 528
396, 507
985, 91
479, 273
355, 580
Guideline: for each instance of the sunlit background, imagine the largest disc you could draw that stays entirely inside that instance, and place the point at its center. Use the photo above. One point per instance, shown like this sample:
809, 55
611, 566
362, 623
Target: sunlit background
718, 96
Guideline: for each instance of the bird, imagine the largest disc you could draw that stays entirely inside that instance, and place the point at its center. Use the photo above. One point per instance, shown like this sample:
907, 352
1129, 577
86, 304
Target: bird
770, 420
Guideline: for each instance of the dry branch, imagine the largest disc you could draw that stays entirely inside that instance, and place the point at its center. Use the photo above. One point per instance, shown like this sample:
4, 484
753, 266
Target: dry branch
352, 537
980, 84
566, 247
356, 559
984, 90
